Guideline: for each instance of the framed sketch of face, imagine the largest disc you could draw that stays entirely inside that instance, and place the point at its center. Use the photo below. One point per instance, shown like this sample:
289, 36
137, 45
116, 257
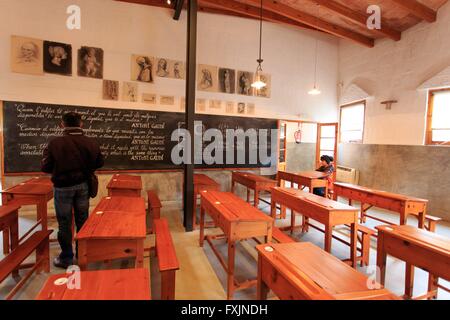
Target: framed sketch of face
241, 108
110, 90
227, 80
266, 91
26, 55
90, 62
244, 83
130, 92
177, 69
58, 58
207, 78
142, 68
162, 69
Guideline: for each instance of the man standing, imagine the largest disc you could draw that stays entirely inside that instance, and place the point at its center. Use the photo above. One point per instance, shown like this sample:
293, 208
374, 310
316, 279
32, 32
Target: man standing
71, 159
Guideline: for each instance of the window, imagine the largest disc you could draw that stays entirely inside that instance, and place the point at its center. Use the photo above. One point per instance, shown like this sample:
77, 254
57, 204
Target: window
352, 122
438, 121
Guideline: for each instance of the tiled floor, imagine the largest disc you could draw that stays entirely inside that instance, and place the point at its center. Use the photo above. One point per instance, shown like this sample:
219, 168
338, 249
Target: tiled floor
201, 275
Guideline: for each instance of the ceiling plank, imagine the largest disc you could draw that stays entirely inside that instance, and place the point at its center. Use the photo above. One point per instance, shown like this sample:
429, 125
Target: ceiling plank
358, 18
242, 9
418, 9
313, 21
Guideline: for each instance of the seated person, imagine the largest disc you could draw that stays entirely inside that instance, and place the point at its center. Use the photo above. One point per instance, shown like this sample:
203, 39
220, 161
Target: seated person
326, 167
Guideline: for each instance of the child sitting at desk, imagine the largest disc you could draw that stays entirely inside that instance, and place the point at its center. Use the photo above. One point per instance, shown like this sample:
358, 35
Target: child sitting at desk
328, 168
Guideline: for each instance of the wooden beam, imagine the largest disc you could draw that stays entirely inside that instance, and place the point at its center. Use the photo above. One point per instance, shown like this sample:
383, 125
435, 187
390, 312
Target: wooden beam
244, 10
418, 9
302, 17
358, 18
155, 3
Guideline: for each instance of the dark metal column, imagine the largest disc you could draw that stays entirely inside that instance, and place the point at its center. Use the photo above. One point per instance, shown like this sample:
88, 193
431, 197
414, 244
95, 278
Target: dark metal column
191, 57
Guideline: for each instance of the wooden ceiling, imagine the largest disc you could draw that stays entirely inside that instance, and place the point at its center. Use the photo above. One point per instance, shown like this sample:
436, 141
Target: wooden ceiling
342, 18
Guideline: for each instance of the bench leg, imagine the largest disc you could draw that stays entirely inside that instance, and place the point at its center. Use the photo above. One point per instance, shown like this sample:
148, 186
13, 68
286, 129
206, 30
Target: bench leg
168, 285
43, 256
6, 241
365, 249
409, 281
432, 286
261, 288
432, 226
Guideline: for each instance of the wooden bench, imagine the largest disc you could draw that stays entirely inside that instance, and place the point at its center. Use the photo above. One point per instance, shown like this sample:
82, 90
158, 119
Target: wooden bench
39, 242
280, 236
167, 258
431, 222
154, 208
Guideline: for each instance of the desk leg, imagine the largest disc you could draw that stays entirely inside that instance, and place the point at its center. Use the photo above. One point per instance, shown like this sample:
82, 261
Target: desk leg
404, 216
354, 242
273, 209
409, 281
42, 213
248, 195
328, 237
363, 213
202, 226
230, 278
421, 219
381, 257
82, 255
139, 263
432, 286
292, 221
14, 237
233, 186
6, 237
261, 288
256, 198
194, 211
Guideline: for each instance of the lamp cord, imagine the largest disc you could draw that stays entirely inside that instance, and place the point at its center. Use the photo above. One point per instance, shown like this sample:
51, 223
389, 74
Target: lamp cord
260, 33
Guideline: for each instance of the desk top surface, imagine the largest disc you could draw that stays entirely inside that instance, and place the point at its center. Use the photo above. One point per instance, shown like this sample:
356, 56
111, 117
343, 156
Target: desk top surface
380, 193
233, 208
34, 186
313, 199
124, 184
126, 177
305, 262
116, 218
254, 177
426, 239
307, 174
122, 284
202, 179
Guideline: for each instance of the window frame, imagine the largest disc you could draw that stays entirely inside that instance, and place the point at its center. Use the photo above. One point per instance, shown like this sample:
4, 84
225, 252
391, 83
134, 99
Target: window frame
429, 130
363, 102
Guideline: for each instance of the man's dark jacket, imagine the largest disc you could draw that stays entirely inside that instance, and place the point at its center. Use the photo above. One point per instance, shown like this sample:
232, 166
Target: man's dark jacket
71, 158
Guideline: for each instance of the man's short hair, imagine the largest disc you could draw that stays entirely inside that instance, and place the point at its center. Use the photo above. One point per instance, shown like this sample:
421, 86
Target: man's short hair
72, 119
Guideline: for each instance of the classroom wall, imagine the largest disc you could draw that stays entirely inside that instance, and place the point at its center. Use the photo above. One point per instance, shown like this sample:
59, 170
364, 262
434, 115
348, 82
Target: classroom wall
123, 29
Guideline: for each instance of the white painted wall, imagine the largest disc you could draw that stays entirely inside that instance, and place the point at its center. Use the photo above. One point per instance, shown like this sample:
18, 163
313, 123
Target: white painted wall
123, 29
394, 70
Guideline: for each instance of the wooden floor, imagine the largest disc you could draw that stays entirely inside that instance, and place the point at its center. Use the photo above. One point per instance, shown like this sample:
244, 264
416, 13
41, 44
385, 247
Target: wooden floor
201, 276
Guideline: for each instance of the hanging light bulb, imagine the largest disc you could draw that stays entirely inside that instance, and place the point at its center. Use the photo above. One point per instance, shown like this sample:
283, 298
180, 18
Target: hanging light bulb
258, 84
315, 90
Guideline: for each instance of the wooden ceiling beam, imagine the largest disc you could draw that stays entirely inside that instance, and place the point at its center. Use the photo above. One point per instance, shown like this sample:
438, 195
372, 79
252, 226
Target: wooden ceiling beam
245, 10
358, 18
302, 17
418, 9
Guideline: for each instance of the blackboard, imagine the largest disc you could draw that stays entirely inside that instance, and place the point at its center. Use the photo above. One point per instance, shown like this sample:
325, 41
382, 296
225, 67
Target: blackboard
129, 139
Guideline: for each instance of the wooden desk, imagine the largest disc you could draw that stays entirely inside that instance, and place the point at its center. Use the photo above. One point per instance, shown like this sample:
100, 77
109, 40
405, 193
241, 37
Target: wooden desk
303, 271
328, 212
202, 182
417, 247
122, 284
254, 182
310, 179
9, 226
239, 221
404, 205
115, 229
35, 191
125, 186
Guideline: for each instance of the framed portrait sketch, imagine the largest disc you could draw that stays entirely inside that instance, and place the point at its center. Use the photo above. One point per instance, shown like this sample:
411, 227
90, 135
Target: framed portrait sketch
130, 92
241, 108
227, 80
26, 55
90, 62
110, 90
244, 83
58, 58
177, 69
142, 68
207, 78
266, 91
